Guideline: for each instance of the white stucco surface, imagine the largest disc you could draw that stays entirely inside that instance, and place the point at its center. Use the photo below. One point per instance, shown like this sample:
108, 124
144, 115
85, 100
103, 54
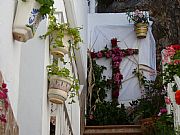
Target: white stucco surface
33, 104
9, 52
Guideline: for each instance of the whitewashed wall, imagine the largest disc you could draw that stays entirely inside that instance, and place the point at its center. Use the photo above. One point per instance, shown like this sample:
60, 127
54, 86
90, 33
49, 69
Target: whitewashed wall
33, 112
9, 52
77, 13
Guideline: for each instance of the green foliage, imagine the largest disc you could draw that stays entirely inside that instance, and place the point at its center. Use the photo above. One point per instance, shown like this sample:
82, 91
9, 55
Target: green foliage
152, 99
57, 32
101, 84
169, 71
104, 112
177, 55
164, 125
46, 6
107, 113
55, 70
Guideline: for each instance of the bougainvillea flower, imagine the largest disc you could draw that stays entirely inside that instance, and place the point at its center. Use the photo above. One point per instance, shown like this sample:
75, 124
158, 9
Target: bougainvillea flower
6, 104
167, 100
3, 118
114, 42
4, 85
5, 90
163, 110
3, 95
175, 47
99, 54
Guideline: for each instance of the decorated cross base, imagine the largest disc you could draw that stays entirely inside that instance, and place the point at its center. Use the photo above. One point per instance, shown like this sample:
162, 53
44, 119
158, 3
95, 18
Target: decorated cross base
117, 55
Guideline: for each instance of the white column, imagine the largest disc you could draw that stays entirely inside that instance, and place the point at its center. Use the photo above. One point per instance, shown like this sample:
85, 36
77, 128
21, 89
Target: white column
92, 6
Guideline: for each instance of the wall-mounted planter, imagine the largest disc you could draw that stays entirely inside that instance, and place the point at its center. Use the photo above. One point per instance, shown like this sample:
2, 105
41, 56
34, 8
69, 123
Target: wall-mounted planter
26, 20
55, 49
141, 30
58, 89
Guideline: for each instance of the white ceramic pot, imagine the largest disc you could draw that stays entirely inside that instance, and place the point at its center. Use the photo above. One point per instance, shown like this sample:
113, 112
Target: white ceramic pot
26, 20
60, 51
58, 89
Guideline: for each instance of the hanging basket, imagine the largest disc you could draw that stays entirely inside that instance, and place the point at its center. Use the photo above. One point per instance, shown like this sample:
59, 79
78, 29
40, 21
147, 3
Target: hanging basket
27, 20
58, 89
141, 30
56, 51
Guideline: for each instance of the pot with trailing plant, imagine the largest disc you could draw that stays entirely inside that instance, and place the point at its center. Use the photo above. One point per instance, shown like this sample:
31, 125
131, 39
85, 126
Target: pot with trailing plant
60, 83
29, 13
140, 23
62, 37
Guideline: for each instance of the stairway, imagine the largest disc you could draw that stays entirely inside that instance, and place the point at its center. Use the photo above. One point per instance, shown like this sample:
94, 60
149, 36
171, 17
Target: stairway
113, 130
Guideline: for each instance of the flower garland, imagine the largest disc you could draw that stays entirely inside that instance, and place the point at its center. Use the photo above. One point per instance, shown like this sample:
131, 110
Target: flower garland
3, 102
117, 55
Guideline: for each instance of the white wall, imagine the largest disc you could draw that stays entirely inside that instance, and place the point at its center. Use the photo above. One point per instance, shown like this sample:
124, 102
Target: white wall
77, 13
9, 52
33, 111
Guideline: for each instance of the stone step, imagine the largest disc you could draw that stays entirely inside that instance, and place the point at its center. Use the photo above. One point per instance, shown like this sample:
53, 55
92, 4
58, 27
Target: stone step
113, 130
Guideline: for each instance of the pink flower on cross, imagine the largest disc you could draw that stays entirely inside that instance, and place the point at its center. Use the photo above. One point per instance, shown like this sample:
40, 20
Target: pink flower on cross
99, 54
116, 64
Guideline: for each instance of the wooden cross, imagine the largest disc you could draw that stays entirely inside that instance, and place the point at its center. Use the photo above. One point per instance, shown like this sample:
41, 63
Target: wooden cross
116, 54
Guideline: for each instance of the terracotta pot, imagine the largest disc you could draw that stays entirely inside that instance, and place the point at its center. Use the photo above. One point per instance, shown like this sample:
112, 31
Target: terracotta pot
148, 121
141, 30
58, 89
27, 20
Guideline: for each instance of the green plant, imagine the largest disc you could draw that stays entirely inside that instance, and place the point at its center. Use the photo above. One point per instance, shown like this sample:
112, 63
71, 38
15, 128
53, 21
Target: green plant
53, 69
164, 125
137, 17
169, 72
152, 98
107, 113
57, 31
46, 6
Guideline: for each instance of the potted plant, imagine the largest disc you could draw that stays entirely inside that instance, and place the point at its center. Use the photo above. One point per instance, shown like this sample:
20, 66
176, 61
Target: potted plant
140, 23
28, 16
60, 84
62, 37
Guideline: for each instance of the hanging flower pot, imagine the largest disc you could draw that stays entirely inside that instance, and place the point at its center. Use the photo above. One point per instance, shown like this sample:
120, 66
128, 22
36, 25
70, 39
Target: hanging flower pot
59, 46
177, 97
141, 30
58, 89
26, 20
